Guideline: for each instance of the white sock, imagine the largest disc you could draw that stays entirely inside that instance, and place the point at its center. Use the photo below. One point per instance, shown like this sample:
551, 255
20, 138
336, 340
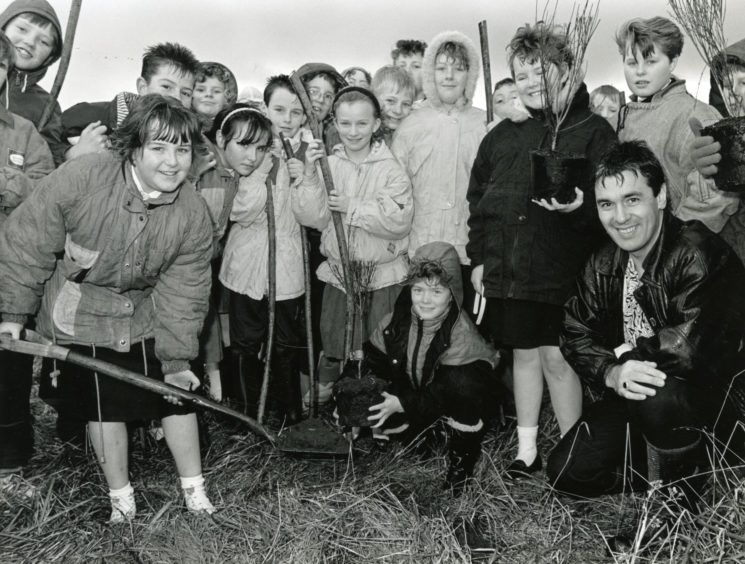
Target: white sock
123, 507
527, 449
195, 495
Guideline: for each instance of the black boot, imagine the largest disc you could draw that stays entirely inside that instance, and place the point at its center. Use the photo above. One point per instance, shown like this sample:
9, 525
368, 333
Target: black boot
464, 452
246, 377
285, 385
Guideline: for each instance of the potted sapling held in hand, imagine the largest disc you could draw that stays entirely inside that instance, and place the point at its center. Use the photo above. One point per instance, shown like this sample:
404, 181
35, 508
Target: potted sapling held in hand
548, 86
703, 21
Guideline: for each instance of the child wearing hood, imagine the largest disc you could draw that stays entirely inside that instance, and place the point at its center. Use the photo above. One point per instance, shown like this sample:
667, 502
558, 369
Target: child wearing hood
437, 143
34, 29
435, 360
658, 114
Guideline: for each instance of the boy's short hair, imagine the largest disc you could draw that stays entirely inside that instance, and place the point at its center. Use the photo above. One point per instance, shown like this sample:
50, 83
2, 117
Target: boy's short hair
351, 70
541, 40
276, 82
455, 51
332, 79
646, 33
7, 51
155, 117
408, 47
394, 77
171, 54
631, 156
221, 73
504, 82
607, 91
430, 270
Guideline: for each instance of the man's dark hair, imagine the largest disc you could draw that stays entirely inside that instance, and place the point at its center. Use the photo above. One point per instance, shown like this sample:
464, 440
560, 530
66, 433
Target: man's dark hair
408, 47
171, 54
631, 156
503, 82
277, 81
155, 118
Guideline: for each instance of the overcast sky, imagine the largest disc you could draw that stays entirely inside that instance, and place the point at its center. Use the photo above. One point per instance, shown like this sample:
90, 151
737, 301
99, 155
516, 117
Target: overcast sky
258, 38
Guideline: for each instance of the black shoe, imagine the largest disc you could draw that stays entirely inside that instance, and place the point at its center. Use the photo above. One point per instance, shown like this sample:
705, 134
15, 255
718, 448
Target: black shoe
517, 470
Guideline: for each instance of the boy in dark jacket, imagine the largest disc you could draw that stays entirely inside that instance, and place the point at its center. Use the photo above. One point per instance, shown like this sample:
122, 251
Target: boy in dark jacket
34, 29
437, 362
168, 69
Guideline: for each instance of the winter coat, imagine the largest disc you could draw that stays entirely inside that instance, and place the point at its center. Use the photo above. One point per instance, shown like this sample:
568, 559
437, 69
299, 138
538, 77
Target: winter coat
218, 186
23, 95
662, 123
245, 258
691, 294
456, 352
104, 267
111, 114
378, 219
437, 148
528, 252
26, 158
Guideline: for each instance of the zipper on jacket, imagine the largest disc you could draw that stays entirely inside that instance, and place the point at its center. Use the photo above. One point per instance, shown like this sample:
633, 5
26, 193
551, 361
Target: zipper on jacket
415, 354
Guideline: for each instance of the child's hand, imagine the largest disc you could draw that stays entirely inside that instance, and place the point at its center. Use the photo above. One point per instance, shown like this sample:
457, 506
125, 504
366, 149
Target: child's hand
314, 152
93, 139
338, 202
705, 152
296, 168
389, 406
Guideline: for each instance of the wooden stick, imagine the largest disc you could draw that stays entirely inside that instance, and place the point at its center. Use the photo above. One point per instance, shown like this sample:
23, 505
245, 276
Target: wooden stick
484, 36
57, 352
341, 238
272, 290
64, 63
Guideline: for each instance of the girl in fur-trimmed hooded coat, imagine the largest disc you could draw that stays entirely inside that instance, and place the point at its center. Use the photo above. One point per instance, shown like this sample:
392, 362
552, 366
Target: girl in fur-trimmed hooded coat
437, 143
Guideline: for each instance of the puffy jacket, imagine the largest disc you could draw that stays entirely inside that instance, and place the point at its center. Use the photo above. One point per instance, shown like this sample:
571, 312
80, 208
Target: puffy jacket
377, 222
691, 294
528, 252
662, 123
456, 350
245, 258
104, 267
26, 158
437, 147
23, 95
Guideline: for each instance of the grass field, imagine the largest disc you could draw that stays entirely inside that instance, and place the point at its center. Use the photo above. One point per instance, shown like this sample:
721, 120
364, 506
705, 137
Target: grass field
380, 505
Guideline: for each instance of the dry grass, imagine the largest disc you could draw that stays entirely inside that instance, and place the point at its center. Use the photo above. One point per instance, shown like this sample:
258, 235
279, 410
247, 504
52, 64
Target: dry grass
380, 506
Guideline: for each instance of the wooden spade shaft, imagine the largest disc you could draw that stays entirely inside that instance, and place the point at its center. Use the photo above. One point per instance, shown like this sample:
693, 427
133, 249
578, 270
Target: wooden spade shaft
112, 370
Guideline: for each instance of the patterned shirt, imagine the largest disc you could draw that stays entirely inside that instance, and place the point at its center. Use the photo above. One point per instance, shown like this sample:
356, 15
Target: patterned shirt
635, 323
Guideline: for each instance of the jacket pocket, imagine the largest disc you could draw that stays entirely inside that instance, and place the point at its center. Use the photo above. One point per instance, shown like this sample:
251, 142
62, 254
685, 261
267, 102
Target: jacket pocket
78, 260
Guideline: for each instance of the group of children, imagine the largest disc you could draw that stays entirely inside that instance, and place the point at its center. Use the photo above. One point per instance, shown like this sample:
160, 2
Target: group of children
436, 209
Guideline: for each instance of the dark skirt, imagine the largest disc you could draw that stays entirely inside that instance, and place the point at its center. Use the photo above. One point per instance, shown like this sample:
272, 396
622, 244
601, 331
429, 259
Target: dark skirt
82, 393
521, 324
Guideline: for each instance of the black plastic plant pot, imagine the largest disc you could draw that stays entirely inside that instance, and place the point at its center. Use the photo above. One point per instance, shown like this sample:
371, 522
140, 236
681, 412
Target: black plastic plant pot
554, 174
730, 132
354, 397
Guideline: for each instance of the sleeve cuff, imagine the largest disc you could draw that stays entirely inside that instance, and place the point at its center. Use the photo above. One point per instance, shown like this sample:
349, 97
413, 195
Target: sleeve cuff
173, 366
15, 318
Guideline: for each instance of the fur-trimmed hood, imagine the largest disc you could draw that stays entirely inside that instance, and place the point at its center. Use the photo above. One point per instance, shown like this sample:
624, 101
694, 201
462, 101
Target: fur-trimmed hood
428, 68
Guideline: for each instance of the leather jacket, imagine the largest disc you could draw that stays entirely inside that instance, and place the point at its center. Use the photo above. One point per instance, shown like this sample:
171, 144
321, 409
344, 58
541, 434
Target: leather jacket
692, 295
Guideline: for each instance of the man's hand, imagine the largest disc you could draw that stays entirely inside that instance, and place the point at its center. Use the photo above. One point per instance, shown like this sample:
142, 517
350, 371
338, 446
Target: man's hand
390, 405
705, 152
635, 379
11, 328
185, 379
93, 139
563, 208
